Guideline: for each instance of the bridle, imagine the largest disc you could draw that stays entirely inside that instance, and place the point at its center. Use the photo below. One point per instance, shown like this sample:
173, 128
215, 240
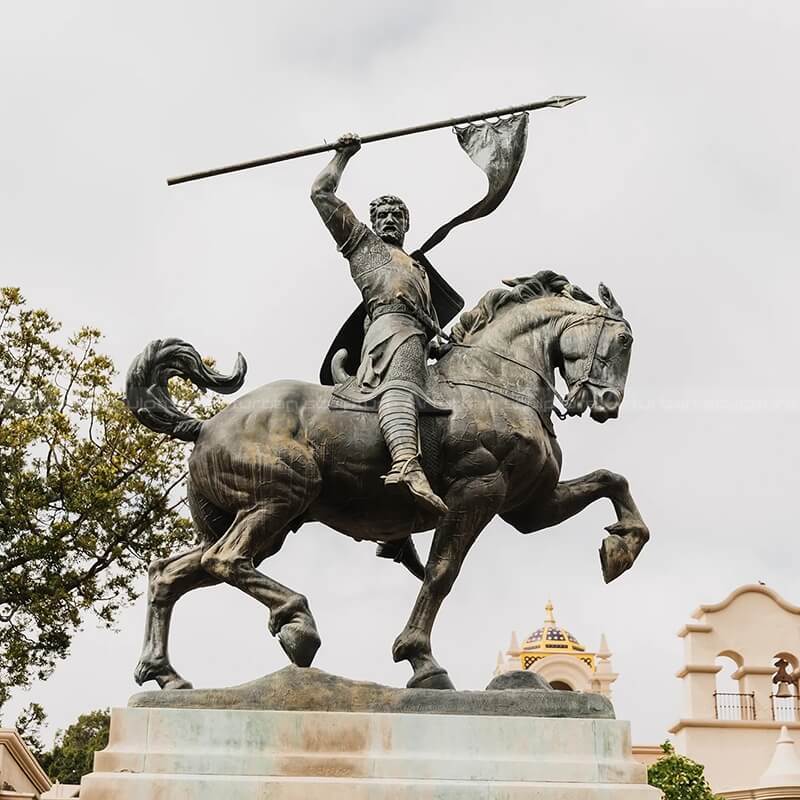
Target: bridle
588, 364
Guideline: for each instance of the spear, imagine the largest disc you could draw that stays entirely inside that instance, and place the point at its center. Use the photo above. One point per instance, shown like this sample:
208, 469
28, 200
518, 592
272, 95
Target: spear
552, 102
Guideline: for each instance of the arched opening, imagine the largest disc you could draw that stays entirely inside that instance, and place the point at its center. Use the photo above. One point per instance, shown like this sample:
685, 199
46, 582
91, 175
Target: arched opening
789, 657
730, 701
785, 698
572, 674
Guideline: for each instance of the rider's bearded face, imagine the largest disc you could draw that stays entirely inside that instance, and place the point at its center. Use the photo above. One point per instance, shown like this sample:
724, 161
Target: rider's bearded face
390, 223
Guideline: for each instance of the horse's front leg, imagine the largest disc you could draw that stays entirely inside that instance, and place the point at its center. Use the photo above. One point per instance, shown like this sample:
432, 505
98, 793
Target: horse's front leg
626, 537
472, 504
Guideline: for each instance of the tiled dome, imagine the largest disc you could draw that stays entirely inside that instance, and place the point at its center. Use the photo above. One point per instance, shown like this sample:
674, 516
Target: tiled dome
551, 637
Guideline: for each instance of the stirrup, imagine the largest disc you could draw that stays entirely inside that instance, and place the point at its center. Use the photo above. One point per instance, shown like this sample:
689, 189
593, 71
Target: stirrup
406, 465
399, 471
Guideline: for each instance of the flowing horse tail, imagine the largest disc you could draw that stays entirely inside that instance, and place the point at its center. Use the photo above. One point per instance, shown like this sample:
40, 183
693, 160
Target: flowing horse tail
147, 386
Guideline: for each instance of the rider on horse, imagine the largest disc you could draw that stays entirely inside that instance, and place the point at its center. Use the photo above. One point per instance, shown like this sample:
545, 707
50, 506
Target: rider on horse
400, 322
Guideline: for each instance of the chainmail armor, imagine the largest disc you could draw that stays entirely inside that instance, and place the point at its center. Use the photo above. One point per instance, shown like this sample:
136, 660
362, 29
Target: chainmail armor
408, 362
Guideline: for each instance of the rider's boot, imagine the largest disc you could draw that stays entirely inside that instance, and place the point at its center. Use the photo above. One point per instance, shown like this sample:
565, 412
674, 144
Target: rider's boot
402, 551
397, 415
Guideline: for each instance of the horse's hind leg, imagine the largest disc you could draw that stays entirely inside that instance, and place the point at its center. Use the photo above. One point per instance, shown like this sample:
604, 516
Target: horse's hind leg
168, 580
628, 535
252, 537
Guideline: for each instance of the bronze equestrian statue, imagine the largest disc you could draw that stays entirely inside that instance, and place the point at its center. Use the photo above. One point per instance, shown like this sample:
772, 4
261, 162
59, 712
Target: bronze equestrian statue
292, 452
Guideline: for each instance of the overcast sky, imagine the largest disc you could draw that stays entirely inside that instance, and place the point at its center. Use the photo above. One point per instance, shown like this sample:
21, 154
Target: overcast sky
676, 182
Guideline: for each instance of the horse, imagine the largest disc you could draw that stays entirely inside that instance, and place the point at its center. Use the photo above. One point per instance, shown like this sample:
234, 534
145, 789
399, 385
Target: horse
281, 456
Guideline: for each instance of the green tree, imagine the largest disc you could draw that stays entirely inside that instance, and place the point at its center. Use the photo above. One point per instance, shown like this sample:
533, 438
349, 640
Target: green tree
678, 777
29, 725
87, 494
73, 750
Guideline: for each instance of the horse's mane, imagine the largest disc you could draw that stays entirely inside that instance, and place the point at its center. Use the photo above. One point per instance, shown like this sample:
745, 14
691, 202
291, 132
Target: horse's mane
545, 283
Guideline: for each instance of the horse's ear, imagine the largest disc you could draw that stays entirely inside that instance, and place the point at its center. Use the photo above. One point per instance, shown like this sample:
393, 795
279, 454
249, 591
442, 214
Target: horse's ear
515, 281
610, 301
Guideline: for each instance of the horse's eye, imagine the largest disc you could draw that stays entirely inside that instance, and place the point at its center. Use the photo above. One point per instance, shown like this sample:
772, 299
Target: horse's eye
625, 339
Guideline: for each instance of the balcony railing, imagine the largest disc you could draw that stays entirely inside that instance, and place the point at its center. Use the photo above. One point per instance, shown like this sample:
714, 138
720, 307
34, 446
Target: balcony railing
732, 706
785, 709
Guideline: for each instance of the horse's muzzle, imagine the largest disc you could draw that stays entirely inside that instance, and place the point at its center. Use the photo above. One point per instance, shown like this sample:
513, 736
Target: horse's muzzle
605, 404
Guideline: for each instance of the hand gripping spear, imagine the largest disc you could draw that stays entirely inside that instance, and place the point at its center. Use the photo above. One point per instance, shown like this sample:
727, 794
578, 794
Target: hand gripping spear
552, 102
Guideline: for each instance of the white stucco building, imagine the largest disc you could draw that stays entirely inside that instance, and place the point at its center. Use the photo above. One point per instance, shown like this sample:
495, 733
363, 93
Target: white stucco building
732, 726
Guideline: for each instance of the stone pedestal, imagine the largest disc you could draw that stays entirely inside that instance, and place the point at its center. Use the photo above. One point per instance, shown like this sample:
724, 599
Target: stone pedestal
183, 754
305, 735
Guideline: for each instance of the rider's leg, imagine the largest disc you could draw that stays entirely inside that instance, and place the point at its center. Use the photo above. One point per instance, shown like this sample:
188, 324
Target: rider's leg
397, 417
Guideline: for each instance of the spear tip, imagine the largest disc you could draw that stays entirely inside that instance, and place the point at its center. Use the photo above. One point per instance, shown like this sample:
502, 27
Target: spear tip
562, 102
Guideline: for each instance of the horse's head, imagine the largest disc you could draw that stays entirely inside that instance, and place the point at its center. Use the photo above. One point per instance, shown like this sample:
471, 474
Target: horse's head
543, 322
595, 355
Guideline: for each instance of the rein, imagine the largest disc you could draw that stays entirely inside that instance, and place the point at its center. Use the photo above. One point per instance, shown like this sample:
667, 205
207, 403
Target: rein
576, 387
534, 370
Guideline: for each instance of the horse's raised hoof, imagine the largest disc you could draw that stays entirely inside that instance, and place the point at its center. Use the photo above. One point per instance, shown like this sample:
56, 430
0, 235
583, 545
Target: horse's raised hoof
615, 557
300, 642
435, 678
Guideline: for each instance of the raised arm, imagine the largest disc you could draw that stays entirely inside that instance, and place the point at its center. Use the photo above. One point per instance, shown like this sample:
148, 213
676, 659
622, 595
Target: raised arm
335, 213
